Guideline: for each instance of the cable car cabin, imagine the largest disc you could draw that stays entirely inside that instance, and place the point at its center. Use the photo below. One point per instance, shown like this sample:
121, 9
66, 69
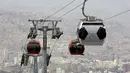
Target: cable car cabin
75, 48
33, 47
91, 31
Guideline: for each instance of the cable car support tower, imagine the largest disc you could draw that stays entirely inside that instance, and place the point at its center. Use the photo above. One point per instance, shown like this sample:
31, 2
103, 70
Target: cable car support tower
56, 33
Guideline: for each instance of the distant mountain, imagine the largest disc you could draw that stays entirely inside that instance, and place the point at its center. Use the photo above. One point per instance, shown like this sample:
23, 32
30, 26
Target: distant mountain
14, 28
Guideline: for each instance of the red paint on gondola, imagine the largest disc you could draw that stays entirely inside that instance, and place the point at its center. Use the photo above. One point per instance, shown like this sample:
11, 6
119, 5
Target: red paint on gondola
75, 49
33, 47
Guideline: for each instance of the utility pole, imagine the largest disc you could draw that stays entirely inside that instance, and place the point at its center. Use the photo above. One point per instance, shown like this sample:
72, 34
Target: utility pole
44, 29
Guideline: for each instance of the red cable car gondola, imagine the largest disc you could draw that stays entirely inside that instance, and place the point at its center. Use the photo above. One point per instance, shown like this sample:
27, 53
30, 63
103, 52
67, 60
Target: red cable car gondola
76, 48
33, 47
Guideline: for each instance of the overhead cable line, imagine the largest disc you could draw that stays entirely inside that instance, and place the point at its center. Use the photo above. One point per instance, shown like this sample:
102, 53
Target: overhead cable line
53, 47
70, 11
116, 15
61, 9
62, 16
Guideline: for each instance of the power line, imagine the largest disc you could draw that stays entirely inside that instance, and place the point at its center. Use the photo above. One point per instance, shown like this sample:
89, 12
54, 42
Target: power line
61, 9
116, 15
70, 11
62, 16
53, 47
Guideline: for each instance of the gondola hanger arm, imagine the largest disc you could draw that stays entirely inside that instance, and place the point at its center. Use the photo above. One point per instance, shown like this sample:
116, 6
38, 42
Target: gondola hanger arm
84, 8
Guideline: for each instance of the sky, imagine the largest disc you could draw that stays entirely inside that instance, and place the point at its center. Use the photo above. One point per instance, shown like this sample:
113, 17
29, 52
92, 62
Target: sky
109, 5
99, 8
97, 4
